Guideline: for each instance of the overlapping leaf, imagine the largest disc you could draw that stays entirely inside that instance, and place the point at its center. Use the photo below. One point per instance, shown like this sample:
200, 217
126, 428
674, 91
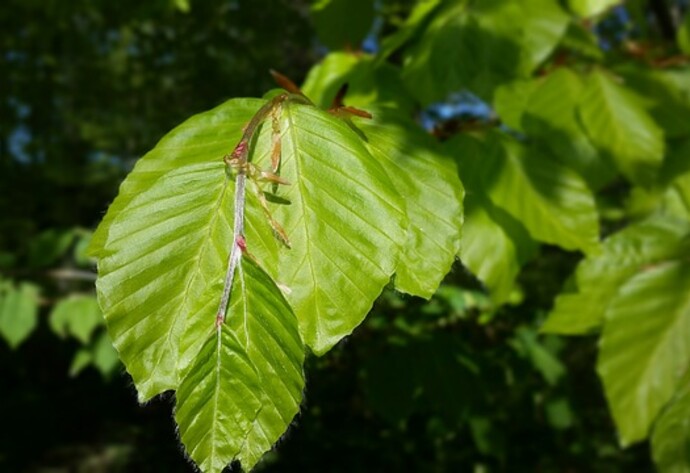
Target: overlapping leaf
551, 114
550, 200
618, 124
645, 347
368, 82
478, 45
600, 276
494, 246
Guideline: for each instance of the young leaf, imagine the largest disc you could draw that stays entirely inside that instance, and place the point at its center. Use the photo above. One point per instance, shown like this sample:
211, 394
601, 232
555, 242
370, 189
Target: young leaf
433, 194
77, 315
644, 348
18, 311
245, 386
600, 276
618, 124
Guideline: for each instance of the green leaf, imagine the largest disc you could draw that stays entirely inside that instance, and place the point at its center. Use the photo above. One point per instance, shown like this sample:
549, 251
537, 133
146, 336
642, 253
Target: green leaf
510, 101
245, 386
554, 203
76, 315
551, 115
671, 437
541, 358
82, 359
342, 23
433, 194
421, 11
599, 277
217, 402
212, 134
494, 246
81, 256
589, 8
666, 95
49, 246
644, 347
165, 239
478, 47
617, 124
18, 311
368, 82
103, 355
583, 41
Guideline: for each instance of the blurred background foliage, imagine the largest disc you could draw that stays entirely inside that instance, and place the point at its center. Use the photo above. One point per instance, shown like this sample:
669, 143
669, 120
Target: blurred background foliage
463, 382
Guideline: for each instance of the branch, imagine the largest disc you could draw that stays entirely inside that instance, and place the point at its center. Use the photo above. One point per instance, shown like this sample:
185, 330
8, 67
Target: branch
237, 162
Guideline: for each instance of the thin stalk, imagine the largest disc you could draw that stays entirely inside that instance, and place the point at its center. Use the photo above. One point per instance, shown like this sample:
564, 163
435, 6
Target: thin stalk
238, 161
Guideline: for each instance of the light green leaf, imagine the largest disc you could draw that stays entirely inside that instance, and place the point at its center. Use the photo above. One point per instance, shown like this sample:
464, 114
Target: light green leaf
165, 240
345, 245
551, 115
618, 124
217, 402
18, 311
204, 138
589, 8
76, 315
433, 193
342, 23
550, 200
245, 387
600, 276
671, 437
644, 347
